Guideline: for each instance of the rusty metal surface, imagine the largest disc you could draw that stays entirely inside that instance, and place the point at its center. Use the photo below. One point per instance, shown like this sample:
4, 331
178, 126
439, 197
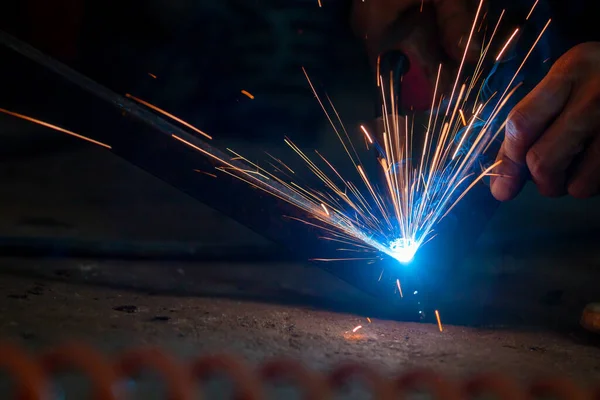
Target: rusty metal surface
183, 380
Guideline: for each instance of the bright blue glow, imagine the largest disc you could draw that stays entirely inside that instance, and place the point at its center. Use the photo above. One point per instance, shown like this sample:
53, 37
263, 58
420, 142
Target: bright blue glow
403, 250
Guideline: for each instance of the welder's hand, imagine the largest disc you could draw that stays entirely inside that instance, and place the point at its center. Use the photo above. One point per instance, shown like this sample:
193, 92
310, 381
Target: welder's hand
553, 134
453, 19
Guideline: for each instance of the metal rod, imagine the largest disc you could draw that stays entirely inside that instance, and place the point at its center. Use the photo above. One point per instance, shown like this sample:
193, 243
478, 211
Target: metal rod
172, 162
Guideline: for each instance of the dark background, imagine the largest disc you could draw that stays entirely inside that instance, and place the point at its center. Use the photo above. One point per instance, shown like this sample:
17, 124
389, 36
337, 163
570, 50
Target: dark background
60, 191
96, 249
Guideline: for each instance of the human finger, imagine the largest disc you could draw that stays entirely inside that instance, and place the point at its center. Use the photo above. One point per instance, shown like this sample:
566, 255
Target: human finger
526, 123
551, 159
586, 180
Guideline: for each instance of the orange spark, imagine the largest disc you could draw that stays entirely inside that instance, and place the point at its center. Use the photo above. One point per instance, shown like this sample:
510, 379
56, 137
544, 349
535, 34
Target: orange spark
153, 107
462, 116
462, 61
439, 321
152, 75
250, 96
56, 128
366, 134
532, 8
280, 162
205, 173
377, 71
356, 216
468, 129
399, 287
507, 43
320, 5
369, 319
357, 328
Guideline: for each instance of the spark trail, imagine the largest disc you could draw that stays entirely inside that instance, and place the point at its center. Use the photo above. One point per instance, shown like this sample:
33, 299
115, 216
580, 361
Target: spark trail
397, 214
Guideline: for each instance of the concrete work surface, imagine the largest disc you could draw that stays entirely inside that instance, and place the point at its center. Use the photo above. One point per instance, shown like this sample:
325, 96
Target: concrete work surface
43, 313
512, 307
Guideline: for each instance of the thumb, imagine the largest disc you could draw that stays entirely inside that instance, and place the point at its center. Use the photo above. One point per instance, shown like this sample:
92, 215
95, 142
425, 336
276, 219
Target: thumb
455, 21
508, 178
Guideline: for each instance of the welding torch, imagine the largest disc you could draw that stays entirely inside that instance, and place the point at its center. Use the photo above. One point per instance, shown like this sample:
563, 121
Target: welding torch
162, 139
409, 71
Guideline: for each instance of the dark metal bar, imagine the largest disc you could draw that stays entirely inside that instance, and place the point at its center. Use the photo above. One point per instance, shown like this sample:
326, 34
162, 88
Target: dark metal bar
121, 102
151, 147
57, 247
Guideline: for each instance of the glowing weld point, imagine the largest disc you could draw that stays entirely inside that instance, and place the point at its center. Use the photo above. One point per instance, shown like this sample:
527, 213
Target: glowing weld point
403, 250
357, 328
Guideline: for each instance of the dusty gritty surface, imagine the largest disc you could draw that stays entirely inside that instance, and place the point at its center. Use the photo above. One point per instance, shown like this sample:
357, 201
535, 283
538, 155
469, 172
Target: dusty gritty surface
537, 264
40, 313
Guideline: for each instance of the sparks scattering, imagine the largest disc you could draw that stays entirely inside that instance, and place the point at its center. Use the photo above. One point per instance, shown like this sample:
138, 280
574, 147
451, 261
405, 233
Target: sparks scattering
395, 213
